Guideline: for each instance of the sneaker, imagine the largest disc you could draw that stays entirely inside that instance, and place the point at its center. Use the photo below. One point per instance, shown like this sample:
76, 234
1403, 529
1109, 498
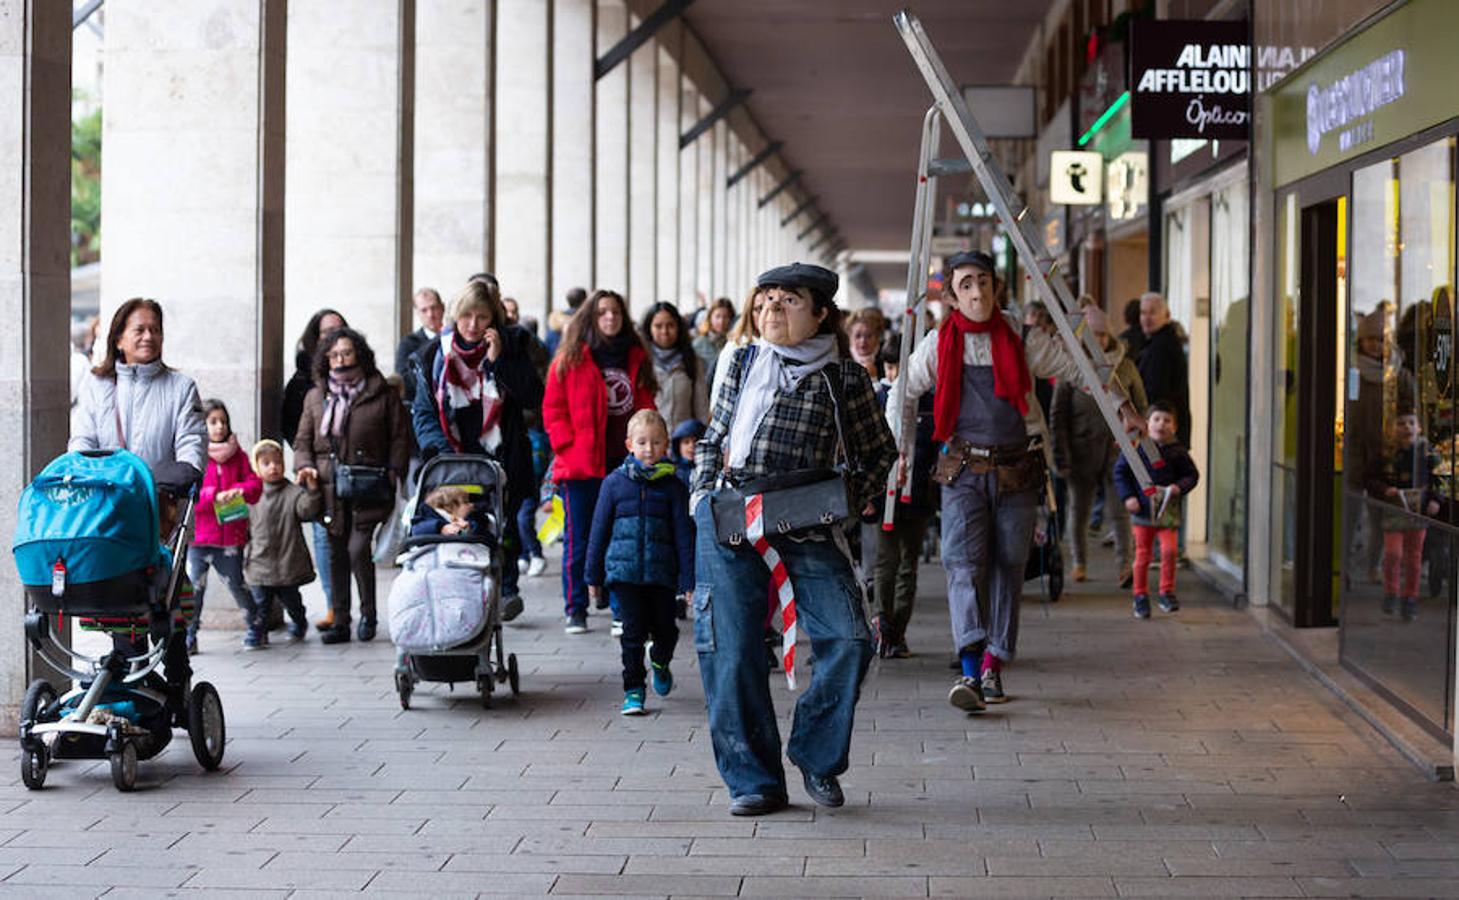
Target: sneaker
192, 645
1142, 606
1410, 609
663, 680
616, 630
1390, 604
1081, 574
1108, 540
512, 607
536, 567
1169, 603
967, 695
522, 565
992, 683
577, 623
251, 641
1127, 578
633, 702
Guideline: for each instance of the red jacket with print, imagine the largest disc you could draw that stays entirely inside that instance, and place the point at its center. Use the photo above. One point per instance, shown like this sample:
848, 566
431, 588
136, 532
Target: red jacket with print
575, 414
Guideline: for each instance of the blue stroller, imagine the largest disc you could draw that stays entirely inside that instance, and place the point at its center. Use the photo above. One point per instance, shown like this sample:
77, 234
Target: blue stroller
87, 547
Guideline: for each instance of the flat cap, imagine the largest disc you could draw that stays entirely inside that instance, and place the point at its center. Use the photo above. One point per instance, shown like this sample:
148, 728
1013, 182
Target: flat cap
971, 258
802, 275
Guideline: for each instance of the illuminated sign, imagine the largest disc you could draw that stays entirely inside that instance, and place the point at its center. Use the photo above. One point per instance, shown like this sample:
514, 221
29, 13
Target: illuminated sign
1127, 189
1350, 98
1075, 177
1190, 80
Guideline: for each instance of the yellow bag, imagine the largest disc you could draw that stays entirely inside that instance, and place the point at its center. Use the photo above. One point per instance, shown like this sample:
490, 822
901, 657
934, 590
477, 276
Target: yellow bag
551, 529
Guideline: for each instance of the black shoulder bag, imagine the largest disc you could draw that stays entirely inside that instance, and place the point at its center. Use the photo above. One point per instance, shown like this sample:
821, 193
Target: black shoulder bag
793, 504
362, 485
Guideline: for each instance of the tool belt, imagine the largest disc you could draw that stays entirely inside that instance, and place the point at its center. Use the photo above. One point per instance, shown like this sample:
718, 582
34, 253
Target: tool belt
1020, 467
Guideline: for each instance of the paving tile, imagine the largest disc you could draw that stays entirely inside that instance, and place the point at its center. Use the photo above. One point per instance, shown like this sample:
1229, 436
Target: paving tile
821, 886
1377, 887
1021, 887
90, 876
541, 863
458, 883
1208, 887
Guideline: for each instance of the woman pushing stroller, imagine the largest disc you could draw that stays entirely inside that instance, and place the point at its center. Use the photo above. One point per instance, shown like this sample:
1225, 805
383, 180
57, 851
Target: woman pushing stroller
991, 468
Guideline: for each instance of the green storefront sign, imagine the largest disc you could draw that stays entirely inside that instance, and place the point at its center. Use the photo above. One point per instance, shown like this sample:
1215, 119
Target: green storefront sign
1394, 78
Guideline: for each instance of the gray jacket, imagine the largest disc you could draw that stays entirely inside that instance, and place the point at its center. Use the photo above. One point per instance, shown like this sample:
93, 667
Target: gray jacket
148, 409
1083, 446
681, 397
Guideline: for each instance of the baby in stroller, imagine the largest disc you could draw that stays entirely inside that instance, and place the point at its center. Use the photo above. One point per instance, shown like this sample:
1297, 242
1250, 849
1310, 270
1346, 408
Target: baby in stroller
449, 510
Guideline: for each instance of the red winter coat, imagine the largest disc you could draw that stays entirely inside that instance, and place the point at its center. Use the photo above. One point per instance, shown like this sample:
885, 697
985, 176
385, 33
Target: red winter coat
575, 414
235, 473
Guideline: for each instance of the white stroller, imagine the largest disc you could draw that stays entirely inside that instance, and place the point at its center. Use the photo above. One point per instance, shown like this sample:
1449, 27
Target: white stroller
445, 605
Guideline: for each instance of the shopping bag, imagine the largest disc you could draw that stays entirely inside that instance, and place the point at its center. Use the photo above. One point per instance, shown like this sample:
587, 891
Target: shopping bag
551, 529
390, 538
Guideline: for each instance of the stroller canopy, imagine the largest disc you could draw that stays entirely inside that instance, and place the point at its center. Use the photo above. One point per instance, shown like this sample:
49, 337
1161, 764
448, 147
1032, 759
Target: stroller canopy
460, 470
95, 512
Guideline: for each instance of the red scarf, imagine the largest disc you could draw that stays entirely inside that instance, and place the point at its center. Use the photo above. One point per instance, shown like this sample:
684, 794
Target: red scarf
464, 382
1011, 381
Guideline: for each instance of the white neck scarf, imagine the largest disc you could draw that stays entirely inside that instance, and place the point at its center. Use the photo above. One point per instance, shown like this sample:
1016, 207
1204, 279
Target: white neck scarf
774, 369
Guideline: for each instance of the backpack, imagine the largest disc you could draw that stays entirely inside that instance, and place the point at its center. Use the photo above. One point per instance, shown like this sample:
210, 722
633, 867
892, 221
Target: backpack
94, 514
441, 597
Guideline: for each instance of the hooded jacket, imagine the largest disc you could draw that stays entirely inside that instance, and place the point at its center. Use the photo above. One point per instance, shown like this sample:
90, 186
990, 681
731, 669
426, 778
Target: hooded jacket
219, 477
277, 554
642, 533
149, 409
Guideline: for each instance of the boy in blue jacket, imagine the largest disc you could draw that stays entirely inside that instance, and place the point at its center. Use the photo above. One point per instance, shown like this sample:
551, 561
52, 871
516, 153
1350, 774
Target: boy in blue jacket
642, 546
1160, 515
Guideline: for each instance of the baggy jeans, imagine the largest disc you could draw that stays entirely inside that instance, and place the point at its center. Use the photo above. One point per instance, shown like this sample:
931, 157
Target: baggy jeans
985, 543
579, 499
729, 636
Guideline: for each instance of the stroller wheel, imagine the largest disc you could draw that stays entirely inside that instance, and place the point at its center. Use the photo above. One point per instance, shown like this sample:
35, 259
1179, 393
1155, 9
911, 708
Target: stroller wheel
484, 684
206, 726
124, 767
34, 760
404, 687
514, 679
33, 767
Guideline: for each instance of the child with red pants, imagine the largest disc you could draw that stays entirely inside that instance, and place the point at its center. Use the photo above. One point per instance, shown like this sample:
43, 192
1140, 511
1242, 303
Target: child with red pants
1402, 481
1158, 515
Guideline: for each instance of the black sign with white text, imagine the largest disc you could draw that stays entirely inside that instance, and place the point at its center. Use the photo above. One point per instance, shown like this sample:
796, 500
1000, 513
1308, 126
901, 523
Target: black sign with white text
1190, 79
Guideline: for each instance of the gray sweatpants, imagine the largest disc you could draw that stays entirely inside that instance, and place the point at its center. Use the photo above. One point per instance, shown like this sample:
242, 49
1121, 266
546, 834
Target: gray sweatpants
985, 543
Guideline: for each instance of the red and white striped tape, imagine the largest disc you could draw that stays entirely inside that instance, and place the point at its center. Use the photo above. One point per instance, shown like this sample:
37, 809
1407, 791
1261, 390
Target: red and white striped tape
779, 579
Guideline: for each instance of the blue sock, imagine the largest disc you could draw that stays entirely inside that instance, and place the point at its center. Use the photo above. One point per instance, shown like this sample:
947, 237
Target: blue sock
970, 657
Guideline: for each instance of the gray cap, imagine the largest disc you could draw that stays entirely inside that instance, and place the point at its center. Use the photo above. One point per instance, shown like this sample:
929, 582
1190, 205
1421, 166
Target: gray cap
975, 258
802, 275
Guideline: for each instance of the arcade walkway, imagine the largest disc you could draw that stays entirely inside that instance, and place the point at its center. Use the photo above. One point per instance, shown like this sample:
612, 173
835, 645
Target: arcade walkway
1184, 756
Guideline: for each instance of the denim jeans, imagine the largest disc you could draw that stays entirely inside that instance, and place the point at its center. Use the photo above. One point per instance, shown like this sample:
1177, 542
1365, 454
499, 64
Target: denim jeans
729, 636
579, 499
321, 560
648, 612
985, 541
527, 528
228, 562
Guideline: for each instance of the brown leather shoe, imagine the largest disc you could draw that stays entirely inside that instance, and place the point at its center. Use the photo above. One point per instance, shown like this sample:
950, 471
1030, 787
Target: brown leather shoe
325, 623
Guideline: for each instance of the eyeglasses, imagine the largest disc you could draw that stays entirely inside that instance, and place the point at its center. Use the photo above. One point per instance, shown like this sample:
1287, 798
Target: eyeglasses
340, 354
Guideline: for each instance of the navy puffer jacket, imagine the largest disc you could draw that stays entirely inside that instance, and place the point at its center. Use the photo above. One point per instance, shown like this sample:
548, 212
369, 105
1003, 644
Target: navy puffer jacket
642, 533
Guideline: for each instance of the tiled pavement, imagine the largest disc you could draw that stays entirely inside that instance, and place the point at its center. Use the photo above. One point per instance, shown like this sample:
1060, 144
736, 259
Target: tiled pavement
1185, 756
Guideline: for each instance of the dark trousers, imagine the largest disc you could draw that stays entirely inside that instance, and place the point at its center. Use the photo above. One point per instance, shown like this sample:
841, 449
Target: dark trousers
898, 554
349, 554
579, 499
527, 527
647, 612
511, 541
264, 599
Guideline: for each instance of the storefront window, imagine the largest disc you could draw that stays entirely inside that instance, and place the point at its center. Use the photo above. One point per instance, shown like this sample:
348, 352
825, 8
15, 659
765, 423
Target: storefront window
1399, 535
1230, 311
1284, 407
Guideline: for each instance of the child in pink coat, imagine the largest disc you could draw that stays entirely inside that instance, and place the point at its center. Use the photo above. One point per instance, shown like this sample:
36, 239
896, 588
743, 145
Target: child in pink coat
219, 544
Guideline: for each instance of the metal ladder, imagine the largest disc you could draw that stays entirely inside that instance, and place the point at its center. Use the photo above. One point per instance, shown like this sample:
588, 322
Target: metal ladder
1095, 371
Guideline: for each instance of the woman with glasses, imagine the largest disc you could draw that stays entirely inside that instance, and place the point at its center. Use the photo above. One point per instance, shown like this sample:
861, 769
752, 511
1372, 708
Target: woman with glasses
354, 439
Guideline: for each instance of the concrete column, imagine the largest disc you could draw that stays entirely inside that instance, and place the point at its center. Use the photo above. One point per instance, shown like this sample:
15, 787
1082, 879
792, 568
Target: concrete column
610, 125
705, 196
523, 140
643, 119
453, 129
688, 193
351, 168
35, 282
719, 224
574, 140
667, 149
733, 284
193, 199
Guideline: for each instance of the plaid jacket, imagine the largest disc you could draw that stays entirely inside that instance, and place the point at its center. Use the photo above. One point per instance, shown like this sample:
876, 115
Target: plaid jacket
799, 432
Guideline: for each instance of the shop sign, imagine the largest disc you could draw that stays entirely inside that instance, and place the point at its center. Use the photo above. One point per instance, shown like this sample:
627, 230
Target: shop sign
1388, 81
1190, 79
1075, 177
1127, 188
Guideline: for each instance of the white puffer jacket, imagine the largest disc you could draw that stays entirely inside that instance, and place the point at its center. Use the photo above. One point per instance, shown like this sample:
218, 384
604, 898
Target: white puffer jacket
149, 409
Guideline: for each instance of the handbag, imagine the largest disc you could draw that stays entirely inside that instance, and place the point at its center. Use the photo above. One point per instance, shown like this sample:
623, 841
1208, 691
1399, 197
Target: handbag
792, 504
365, 485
